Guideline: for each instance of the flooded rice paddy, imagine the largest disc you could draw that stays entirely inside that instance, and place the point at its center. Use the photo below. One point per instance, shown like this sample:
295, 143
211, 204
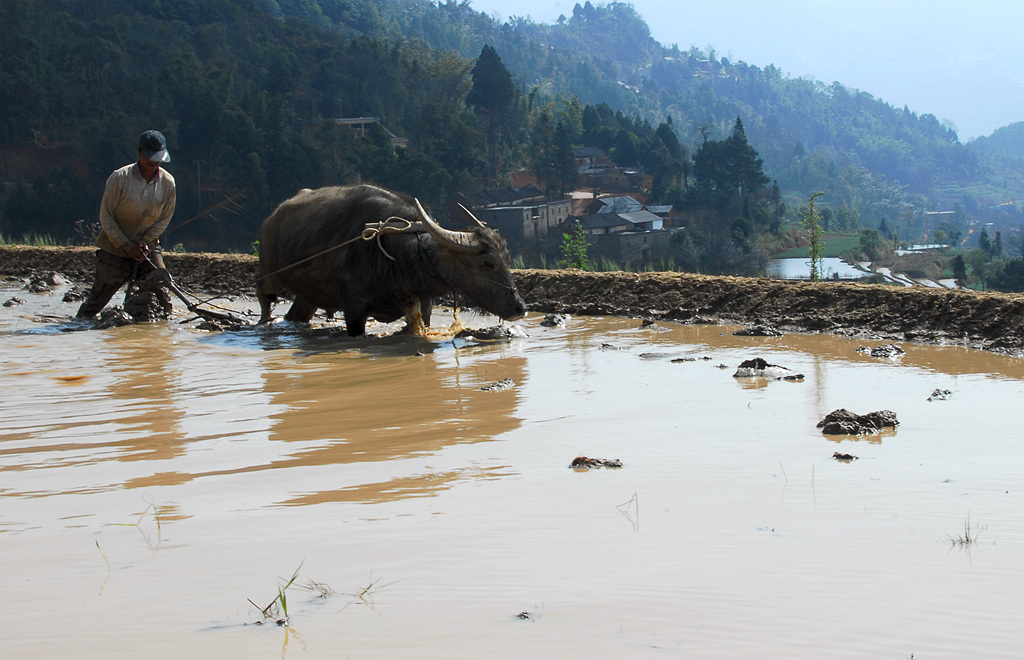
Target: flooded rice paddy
155, 479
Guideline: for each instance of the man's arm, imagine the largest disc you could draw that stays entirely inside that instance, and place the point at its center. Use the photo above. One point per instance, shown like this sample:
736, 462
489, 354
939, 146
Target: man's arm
108, 205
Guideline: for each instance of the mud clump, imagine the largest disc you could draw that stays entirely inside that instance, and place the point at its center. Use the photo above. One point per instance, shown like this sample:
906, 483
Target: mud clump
555, 320
761, 368
145, 306
500, 386
759, 330
113, 317
494, 333
844, 422
77, 293
888, 351
586, 463
45, 282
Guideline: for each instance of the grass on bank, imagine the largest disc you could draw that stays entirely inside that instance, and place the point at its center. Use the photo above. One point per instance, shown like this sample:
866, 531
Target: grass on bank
31, 240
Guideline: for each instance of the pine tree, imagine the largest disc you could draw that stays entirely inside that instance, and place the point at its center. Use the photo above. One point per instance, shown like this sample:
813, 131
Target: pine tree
492, 93
563, 160
960, 270
727, 168
748, 175
984, 242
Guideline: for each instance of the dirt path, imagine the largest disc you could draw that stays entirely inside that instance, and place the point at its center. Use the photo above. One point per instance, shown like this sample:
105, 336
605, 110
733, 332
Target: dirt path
991, 321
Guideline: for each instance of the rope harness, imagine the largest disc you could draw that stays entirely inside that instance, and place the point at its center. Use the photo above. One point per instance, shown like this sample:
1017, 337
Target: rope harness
372, 231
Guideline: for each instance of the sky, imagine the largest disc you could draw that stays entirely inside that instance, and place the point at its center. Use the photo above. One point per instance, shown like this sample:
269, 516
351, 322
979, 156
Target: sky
960, 61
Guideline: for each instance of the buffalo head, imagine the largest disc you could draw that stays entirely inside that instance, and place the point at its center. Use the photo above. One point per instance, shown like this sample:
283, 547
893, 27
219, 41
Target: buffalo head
476, 263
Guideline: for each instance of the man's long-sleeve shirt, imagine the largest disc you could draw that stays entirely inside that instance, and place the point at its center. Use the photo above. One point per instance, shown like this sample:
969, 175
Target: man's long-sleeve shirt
134, 209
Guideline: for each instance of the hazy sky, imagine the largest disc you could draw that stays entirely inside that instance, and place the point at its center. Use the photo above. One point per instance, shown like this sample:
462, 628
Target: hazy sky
960, 61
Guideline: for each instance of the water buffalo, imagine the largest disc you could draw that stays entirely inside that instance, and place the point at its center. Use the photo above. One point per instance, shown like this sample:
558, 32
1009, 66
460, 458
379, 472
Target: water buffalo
386, 275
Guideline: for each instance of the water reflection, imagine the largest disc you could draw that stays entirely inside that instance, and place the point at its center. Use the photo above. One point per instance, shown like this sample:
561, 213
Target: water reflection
142, 397
870, 438
420, 485
378, 408
194, 406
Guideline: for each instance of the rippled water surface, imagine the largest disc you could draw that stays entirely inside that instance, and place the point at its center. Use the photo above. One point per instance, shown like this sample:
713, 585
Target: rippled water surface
155, 479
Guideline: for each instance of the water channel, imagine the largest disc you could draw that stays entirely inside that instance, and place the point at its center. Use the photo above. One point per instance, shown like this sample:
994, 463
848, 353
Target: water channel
154, 479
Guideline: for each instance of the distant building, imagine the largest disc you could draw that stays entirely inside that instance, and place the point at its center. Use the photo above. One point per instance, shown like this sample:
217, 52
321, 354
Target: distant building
596, 170
501, 197
359, 126
522, 215
597, 224
591, 159
642, 220
664, 211
615, 204
619, 227
635, 237
636, 248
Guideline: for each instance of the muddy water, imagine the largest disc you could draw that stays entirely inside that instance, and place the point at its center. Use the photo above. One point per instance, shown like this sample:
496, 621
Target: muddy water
153, 479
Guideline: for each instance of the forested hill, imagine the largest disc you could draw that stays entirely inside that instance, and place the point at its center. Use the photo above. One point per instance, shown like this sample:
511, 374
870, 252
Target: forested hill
605, 53
810, 134
247, 90
1006, 141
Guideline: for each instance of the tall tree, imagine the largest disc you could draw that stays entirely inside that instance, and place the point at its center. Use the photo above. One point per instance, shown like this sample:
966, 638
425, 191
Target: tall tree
492, 93
960, 270
747, 165
985, 242
728, 168
625, 151
564, 162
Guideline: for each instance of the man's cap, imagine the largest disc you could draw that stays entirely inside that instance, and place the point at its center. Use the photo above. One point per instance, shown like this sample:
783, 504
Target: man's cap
153, 145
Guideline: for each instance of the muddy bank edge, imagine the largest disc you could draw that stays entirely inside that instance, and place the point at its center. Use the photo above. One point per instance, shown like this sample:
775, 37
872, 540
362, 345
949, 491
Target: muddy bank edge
991, 321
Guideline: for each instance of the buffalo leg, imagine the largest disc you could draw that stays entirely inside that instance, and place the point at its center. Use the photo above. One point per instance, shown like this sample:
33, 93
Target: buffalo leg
426, 306
355, 323
266, 302
414, 324
301, 311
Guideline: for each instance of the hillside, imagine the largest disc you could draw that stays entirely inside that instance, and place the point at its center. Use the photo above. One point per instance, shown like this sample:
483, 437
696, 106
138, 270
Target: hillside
805, 130
248, 92
1007, 141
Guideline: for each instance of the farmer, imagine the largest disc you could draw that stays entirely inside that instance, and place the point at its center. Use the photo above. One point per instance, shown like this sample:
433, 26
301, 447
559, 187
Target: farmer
137, 205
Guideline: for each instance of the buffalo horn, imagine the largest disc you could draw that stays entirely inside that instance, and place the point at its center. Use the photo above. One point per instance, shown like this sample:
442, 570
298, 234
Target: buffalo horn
457, 240
469, 214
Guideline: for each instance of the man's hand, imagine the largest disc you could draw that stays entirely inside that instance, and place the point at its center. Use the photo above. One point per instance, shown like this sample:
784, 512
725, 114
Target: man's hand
137, 251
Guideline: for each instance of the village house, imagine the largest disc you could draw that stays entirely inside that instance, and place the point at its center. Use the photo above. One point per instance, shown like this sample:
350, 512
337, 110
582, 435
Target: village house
624, 231
596, 170
614, 204
619, 227
359, 126
635, 238
522, 215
